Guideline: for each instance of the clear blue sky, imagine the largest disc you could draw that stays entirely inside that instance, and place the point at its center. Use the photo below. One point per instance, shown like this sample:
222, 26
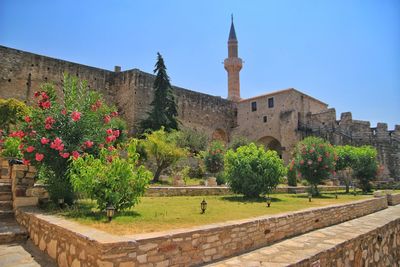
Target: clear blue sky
343, 52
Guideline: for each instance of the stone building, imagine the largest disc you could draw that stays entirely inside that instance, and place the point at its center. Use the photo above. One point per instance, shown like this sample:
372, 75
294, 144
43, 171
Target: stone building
278, 119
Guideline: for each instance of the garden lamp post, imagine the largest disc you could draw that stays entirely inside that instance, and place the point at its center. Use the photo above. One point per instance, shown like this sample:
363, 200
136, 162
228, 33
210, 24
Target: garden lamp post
61, 202
268, 201
110, 212
336, 195
203, 206
309, 197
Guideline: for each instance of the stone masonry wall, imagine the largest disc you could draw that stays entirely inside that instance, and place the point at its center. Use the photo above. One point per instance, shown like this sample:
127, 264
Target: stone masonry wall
21, 74
74, 245
393, 199
357, 133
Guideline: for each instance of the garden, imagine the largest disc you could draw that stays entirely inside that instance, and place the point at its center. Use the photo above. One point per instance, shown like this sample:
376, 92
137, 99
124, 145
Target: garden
97, 174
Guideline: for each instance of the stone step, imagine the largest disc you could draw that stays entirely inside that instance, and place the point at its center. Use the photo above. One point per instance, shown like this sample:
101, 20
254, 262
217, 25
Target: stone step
5, 187
4, 196
4, 214
6, 205
11, 231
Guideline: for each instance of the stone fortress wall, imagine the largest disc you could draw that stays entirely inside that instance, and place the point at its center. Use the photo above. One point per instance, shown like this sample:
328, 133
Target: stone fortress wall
22, 73
293, 116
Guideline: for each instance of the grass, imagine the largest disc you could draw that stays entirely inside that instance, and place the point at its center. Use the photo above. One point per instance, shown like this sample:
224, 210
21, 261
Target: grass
164, 213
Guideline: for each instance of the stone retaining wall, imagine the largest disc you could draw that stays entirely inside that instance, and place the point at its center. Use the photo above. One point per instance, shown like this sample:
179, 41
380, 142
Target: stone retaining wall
393, 199
379, 247
72, 244
169, 191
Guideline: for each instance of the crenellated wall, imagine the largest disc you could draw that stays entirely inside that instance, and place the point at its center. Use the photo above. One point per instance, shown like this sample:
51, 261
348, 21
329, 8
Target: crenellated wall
356, 132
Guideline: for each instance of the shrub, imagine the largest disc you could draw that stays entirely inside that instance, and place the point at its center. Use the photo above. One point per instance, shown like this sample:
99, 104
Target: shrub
12, 112
291, 175
238, 141
253, 171
11, 147
193, 140
162, 148
111, 179
365, 166
221, 178
214, 157
79, 122
314, 159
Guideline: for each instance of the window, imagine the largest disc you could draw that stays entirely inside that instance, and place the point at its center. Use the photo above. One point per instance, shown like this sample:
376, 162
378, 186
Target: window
253, 106
265, 118
271, 102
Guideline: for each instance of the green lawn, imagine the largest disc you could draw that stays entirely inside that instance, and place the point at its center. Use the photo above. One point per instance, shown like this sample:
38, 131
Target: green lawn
164, 213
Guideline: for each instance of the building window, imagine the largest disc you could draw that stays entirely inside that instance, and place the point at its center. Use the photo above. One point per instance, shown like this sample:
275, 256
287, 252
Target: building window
253, 106
265, 118
271, 102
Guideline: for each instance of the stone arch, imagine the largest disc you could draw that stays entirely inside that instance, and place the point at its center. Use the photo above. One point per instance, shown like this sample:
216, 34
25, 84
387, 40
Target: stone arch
271, 143
220, 135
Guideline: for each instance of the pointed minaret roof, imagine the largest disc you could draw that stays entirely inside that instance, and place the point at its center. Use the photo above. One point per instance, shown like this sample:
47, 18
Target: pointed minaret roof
232, 33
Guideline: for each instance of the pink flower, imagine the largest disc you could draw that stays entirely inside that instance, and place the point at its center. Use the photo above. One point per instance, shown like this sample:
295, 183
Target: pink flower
116, 133
49, 120
44, 141
109, 131
28, 119
37, 94
107, 119
21, 146
309, 162
88, 144
101, 146
319, 159
57, 144
75, 154
301, 162
111, 148
312, 150
65, 155
76, 116
46, 105
47, 126
110, 138
30, 149
26, 162
114, 114
44, 95
39, 157
19, 134
64, 111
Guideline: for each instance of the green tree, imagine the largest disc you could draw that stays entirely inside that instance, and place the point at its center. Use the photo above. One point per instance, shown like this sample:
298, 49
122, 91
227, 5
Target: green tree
345, 160
365, 166
12, 112
164, 110
291, 174
162, 148
314, 159
253, 171
111, 179
194, 140
238, 141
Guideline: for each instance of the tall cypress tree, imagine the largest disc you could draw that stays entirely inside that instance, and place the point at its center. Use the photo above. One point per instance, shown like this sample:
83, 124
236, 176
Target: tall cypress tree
164, 110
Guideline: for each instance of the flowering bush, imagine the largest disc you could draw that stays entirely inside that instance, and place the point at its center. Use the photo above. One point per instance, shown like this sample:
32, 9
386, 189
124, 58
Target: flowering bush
250, 170
214, 157
111, 179
314, 159
62, 129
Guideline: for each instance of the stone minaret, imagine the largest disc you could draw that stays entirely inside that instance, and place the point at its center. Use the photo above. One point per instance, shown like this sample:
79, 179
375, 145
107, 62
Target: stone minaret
233, 64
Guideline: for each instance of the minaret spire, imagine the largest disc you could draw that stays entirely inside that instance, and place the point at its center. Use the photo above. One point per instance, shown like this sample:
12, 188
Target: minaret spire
233, 65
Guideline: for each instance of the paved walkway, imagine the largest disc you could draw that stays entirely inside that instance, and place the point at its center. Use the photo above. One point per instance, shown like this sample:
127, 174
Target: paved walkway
294, 250
24, 254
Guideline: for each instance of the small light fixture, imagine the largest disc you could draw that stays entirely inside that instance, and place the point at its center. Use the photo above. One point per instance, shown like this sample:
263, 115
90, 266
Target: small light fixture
203, 206
110, 212
61, 202
268, 201
309, 197
336, 195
